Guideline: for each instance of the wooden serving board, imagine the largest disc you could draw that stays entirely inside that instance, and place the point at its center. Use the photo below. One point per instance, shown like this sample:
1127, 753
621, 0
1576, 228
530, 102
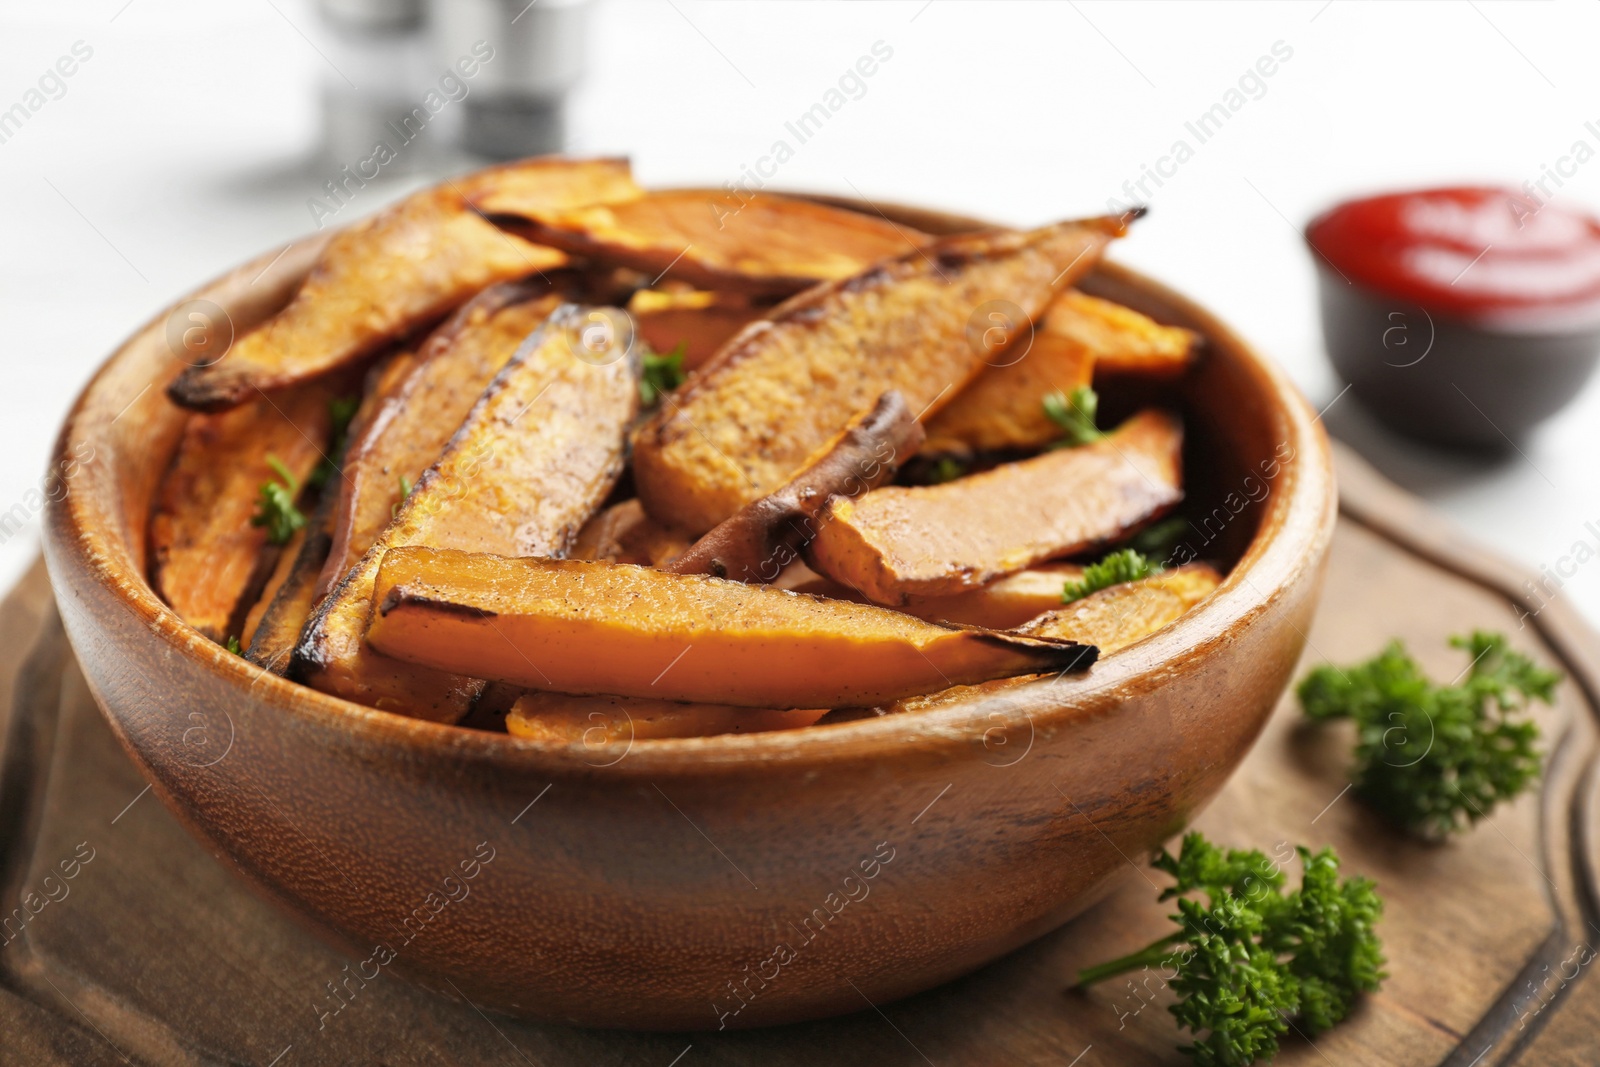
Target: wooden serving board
151, 952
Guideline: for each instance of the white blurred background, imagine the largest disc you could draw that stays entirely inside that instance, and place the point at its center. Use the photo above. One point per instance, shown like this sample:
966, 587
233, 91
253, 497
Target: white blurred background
192, 138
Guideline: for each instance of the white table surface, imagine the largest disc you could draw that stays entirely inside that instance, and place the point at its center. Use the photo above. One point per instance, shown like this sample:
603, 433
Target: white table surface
186, 144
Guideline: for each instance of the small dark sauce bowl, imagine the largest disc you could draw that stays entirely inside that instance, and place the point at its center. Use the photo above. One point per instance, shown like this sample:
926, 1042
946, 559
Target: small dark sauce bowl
1443, 379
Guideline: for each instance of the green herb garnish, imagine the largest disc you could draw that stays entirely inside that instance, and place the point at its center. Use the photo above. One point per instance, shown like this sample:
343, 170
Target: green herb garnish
343, 409
405, 493
661, 374
945, 469
1124, 565
1075, 413
1254, 960
1430, 758
275, 509
233, 645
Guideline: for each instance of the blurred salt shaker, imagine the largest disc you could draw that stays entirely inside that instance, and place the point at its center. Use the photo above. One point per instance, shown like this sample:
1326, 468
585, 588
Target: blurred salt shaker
516, 103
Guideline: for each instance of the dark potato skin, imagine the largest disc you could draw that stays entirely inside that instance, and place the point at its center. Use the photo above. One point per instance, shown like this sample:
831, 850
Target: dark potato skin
758, 541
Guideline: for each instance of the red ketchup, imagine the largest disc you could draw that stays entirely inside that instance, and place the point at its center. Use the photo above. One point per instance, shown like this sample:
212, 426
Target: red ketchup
1495, 258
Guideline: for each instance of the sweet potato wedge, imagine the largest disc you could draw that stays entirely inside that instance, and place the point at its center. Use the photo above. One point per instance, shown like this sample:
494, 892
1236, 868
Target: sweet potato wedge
399, 270
591, 628
284, 612
1112, 619
207, 560
623, 533
536, 455
1123, 340
548, 183
269, 591
939, 540
698, 321
410, 427
760, 539
1003, 604
782, 388
608, 725
1115, 618
1003, 408
762, 244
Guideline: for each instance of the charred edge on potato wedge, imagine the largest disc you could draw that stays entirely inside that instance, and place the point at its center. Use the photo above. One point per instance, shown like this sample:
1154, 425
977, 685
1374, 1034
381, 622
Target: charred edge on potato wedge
598, 628
410, 427
758, 541
781, 388
502, 484
1111, 619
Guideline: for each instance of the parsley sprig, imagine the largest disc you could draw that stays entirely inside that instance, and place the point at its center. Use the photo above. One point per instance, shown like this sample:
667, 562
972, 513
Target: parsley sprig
1075, 413
661, 374
1433, 759
1252, 960
1123, 565
275, 508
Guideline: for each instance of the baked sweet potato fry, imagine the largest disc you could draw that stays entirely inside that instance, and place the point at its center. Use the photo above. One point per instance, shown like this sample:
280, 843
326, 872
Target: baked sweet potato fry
623, 533
1003, 604
939, 540
1003, 408
269, 591
207, 560
782, 388
760, 539
548, 182
610, 723
536, 455
762, 244
283, 611
1115, 618
589, 628
1112, 619
399, 270
698, 322
410, 427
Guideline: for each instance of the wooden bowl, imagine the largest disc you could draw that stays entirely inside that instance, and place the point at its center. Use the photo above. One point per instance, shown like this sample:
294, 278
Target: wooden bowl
713, 882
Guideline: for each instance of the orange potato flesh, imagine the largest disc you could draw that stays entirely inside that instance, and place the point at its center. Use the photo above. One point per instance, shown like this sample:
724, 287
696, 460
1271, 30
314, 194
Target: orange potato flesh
759, 540
1003, 604
781, 389
1115, 618
606, 725
537, 454
592, 628
765, 244
895, 543
700, 322
548, 182
409, 428
623, 533
398, 270
1124, 341
1112, 619
1003, 408
207, 560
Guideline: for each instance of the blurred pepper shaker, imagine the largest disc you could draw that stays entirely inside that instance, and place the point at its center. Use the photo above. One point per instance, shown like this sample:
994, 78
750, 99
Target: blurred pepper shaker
379, 52
516, 107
